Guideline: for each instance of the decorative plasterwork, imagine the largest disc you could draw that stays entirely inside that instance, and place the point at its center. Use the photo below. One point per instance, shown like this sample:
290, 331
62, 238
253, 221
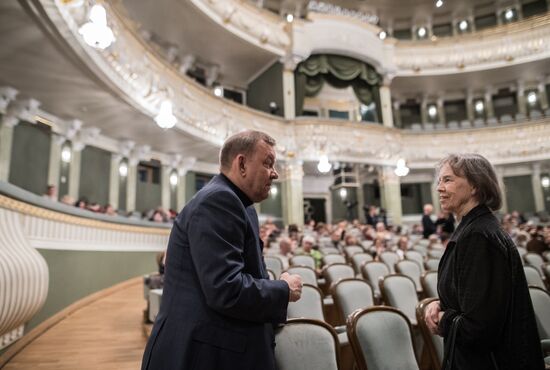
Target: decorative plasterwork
517, 43
249, 23
144, 79
361, 143
324, 33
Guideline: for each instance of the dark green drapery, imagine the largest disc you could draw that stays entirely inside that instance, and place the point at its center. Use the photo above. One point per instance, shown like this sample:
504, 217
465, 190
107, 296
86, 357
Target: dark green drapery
340, 72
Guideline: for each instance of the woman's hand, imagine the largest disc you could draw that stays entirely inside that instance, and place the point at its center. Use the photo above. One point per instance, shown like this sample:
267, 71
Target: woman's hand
432, 316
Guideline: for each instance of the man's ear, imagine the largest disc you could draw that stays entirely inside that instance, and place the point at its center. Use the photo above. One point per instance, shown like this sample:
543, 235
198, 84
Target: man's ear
242, 164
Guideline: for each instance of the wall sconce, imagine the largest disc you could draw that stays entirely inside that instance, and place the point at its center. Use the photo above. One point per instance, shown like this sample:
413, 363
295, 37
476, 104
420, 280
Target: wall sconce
343, 193
174, 178
66, 153
123, 169
273, 191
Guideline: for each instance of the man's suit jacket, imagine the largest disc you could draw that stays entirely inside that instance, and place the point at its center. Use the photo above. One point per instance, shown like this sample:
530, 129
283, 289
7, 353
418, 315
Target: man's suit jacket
218, 306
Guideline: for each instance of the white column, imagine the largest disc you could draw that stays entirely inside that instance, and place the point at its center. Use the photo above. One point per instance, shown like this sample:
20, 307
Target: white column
54, 167
385, 102
6, 140
131, 185
424, 110
390, 194
180, 190
289, 92
500, 177
537, 188
114, 180
292, 189
441, 111
520, 95
470, 114
74, 171
435, 196
397, 114
543, 97
489, 109
165, 187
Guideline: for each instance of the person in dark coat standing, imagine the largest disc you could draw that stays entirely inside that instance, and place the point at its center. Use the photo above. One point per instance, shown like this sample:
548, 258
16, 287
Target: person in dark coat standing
219, 307
480, 276
428, 226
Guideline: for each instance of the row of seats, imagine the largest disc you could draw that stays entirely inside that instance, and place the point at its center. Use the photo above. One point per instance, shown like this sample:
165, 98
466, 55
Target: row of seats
375, 333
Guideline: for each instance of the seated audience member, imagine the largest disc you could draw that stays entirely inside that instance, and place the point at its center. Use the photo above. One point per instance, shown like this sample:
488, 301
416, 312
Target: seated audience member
350, 240
51, 193
434, 242
309, 248
94, 207
379, 248
402, 246
445, 223
68, 200
109, 210
537, 244
371, 215
428, 226
284, 252
444, 237
158, 216
381, 232
81, 203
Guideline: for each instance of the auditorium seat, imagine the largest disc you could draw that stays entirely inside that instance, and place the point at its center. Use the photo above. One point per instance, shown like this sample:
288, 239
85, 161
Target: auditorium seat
412, 270
429, 283
399, 291
432, 264
416, 257
381, 338
330, 259
155, 297
308, 275
305, 344
533, 277
358, 259
351, 250
350, 295
541, 305
390, 259
535, 260
372, 272
433, 343
275, 264
303, 260
337, 271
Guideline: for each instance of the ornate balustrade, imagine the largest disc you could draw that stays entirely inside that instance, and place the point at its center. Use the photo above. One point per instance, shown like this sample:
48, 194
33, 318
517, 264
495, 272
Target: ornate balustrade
144, 79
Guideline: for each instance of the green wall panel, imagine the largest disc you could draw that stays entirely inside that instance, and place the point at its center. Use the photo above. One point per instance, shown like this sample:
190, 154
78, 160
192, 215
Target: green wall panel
30, 156
339, 209
94, 175
148, 196
519, 193
190, 186
77, 274
273, 204
266, 88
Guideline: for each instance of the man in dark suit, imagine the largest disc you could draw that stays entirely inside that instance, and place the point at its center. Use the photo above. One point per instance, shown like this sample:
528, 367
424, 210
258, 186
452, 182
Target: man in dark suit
428, 226
218, 307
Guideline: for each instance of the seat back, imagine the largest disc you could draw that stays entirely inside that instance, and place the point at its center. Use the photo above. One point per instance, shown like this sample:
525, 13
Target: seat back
372, 272
429, 283
330, 259
274, 264
307, 273
435, 253
399, 291
309, 306
381, 338
535, 260
546, 270
351, 250
352, 294
390, 259
271, 275
416, 257
329, 250
541, 304
366, 244
358, 259
432, 264
155, 297
433, 342
337, 271
303, 260
412, 270
303, 344
533, 277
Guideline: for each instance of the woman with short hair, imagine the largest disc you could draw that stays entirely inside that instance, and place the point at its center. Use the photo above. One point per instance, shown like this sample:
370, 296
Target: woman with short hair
481, 284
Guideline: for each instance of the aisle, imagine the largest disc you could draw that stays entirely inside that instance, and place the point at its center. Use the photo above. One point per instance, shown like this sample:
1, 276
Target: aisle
106, 334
